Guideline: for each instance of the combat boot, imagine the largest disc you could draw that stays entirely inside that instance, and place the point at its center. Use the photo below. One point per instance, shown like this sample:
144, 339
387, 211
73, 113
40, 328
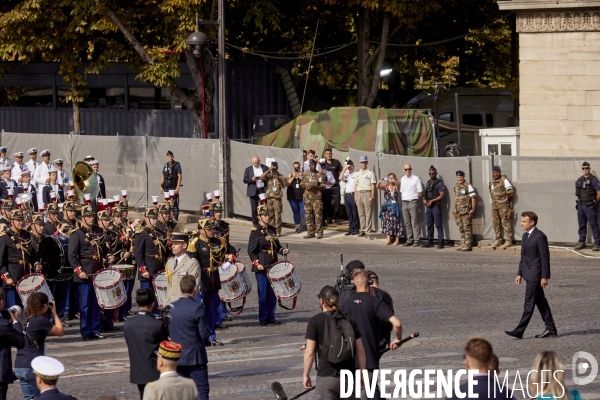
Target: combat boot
440, 244
580, 246
496, 244
459, 248
596, 248
507, 244
428, 244
320, 236
309, 235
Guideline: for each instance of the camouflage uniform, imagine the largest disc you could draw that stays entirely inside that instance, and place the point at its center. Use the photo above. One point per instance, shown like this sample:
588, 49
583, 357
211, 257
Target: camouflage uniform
501, 211
462, 207
313, 203
275, 184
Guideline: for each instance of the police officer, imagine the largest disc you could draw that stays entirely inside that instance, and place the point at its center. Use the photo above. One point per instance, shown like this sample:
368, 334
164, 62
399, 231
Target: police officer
210, 252
587, 190
435, 192
85, 257
464, 208
502, 193
17, 256
275, 185
150, 251
180, 265
263, 247
313, 183
171, 180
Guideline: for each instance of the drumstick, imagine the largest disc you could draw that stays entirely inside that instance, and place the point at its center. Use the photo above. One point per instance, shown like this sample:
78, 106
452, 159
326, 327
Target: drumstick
287, 248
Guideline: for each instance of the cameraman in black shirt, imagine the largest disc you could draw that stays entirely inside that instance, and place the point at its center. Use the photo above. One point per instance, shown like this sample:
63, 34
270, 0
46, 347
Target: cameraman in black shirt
332, 207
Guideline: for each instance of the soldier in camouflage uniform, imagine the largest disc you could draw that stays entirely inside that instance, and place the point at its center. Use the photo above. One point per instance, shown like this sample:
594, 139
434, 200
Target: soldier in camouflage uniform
501, 192
464, 208
313, 184
275, 183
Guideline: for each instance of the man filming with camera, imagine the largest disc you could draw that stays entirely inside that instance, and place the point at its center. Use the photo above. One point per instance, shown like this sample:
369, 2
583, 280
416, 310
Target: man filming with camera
143, 334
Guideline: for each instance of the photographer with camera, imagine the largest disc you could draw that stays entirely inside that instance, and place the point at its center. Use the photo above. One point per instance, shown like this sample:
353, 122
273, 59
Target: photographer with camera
295, 195
11, 335
143, 334
37, 328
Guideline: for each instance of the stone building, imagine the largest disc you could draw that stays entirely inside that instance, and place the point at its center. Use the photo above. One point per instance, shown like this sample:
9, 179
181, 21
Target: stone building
559, 76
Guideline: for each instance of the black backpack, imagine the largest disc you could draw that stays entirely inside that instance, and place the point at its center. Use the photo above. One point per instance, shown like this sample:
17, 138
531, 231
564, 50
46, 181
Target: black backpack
339, 339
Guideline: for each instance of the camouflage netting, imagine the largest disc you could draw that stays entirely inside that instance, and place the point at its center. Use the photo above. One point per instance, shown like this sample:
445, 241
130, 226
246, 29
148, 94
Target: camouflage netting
406, 132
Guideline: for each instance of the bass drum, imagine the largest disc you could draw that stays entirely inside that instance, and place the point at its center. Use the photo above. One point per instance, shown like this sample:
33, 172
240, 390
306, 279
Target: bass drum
54, 257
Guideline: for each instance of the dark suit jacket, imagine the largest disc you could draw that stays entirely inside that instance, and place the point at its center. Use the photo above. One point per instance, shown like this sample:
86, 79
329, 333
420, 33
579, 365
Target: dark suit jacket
10, 335
54, 394
481, 389
60, 196
251, 190
189, 328
535, 257
143, 334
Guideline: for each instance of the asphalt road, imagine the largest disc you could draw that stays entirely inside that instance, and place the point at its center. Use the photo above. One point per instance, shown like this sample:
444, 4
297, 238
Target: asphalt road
445, 295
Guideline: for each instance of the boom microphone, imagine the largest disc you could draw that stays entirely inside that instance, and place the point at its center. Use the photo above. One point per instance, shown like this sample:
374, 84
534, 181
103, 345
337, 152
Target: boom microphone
278, 390
401, 342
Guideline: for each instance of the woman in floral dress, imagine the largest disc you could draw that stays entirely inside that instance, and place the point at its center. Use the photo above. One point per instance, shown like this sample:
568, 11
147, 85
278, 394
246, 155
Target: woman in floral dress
390, 209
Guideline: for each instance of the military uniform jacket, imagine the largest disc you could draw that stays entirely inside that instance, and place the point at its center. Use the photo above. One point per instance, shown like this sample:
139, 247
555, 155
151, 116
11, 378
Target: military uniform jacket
85, 251
210, 254
171, 386
36, 240
18, 255
11, 335
50, 228
54, 394
462, 198
499, 190
263, 246
222, 230
148, 252
60, 194
119, 244
275, 185
143, 334
187, 266
5, 222
315, 180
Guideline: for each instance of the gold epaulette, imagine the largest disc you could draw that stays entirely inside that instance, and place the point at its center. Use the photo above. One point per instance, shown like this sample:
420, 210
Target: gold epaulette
139, 230
192, 245
151, 384
2, 233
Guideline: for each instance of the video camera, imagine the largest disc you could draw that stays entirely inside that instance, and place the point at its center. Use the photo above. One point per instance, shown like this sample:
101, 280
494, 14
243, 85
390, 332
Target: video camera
164, 314
342, 279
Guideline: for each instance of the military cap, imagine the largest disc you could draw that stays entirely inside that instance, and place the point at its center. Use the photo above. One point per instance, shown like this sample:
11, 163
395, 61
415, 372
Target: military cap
87, 211
18, 154
94, 162
17, 215
460, 173
117, 212
180, 237
103, 215
26, 172
496, 168
206, 211
122, 204
69, 206
47, 367
169, 350
262, 209
432, 168
3, 149
7, 169
53, 169
37, 219
90, 157
151, 212
33, 150
45, 152
205, 223
169, 153
8, 204
216, 206
164, 208
363, 159
58, 161
53, 208
585, 164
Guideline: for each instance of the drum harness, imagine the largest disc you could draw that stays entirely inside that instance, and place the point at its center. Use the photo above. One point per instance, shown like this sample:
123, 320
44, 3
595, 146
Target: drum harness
23, 246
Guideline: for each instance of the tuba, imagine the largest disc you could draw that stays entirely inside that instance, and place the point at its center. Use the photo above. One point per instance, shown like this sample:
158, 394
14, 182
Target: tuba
85, 179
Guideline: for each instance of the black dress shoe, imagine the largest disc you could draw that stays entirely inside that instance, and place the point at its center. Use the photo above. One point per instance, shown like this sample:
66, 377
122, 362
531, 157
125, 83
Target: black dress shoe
409, 243
440, 245
273, 322
514, 334
427, 245
354, 233
262, 323
580, 246
86, 338
547, 333
361, 234
227, 319
109, 329
97, 337
347, 233
215, 343
221, 326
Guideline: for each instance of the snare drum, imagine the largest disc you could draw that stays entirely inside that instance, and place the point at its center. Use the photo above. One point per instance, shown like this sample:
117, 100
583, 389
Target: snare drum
161, 289
33, 283
233, 286
285, 282
242, 269
109, 288
53, 252
127, 271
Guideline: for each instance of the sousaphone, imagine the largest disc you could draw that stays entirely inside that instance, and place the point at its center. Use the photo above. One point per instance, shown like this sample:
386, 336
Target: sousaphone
85, 179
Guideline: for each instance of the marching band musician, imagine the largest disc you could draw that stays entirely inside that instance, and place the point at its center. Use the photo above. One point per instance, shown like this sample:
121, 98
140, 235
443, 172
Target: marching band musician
70, 219
7, 207
221, 230
53, 226
180, 265
53, 186
17, 255
149, 250
263, 247
25, 181
70, 214
85, 256
165, 218
210, 253
106, 240
37, 229
7, 183
122, 247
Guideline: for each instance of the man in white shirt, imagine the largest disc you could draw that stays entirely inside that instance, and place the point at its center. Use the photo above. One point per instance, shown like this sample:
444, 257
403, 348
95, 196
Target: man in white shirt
41, 176
63, 176
3, 160
18, 167
411, 189
32, 163
347, 175
311, 155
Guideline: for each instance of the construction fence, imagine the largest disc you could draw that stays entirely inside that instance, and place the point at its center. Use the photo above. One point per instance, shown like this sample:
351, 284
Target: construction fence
544, 185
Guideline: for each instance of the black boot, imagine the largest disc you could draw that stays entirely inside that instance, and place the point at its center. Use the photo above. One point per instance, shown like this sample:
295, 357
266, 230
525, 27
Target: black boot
441, 244
428, 244
580, 246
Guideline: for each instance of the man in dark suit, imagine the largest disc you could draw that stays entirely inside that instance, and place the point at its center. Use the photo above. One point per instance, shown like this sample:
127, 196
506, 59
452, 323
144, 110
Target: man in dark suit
11, 334
478, 356
534, 267
143, 334
255, 185
189, 328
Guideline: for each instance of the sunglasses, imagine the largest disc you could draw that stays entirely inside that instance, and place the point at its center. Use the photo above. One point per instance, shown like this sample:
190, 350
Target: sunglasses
584, 168
408, 169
